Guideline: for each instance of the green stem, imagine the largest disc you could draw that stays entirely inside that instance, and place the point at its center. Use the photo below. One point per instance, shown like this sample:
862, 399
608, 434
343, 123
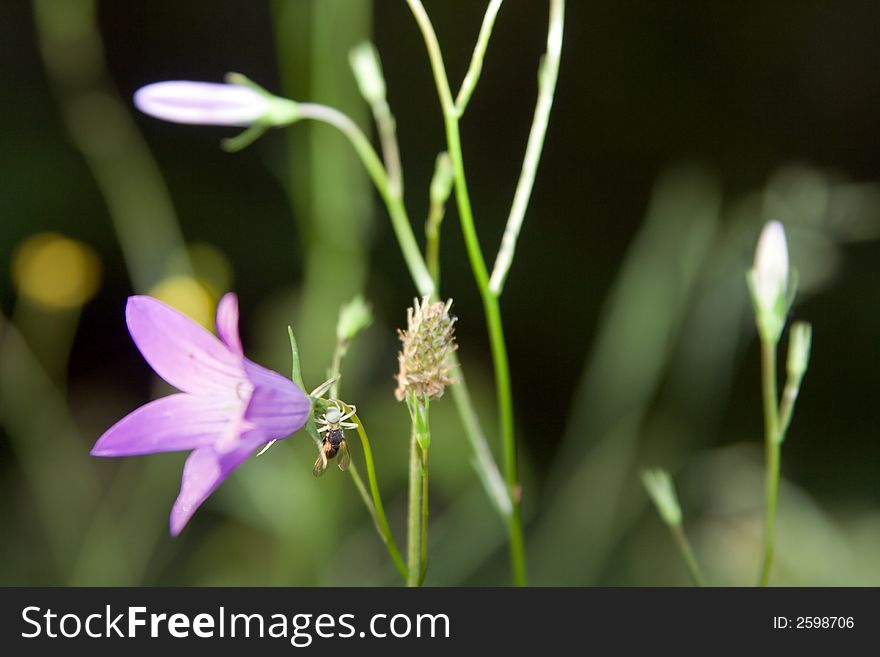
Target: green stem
484, 463
772, 449
432, 241
786, 407
476, 66
481, 275
101, 127
379, 515
387, 128
336, 367
364, 493
376, 170
414, 533
687, 553
424, 555
547, 77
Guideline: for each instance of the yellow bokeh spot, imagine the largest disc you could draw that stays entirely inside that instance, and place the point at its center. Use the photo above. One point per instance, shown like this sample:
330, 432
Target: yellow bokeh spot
208, 263
187, 295
55, 271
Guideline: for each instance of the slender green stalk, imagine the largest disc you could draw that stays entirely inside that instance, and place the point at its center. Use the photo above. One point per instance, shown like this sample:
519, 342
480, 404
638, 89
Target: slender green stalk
687, 553
414, 532
376, 170
364, 493
786, 407
387, 129
772, 448
424, 555
100, 125
379, 516
336, 367
335, 372
432, 241
476, 66
484, 463
547, 77
418, 488
481, 275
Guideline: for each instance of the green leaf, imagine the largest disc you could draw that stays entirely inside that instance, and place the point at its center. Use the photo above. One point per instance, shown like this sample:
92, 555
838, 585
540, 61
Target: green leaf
296, 369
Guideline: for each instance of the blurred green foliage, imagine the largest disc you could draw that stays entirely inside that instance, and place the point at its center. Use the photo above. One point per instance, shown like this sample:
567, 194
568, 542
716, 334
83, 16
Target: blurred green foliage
679, 129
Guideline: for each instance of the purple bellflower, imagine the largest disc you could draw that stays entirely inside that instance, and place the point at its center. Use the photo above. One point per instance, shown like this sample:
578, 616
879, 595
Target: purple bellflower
229, 407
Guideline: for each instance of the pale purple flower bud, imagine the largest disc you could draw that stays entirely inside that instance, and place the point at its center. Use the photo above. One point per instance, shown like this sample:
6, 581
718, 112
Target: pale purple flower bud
202, 103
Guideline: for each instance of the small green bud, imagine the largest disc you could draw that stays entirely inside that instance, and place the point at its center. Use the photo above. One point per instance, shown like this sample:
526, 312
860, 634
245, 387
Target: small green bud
799, 341
441, 183
661, 490
367, 68
354, 317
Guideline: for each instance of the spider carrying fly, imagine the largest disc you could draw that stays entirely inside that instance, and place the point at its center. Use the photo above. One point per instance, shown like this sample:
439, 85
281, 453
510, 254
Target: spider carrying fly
333, 422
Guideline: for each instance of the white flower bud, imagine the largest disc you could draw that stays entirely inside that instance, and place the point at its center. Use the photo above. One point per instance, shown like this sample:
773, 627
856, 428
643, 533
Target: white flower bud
768, 282
770, 278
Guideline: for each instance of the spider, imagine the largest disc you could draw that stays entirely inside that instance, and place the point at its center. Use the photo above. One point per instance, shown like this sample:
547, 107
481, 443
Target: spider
333, 422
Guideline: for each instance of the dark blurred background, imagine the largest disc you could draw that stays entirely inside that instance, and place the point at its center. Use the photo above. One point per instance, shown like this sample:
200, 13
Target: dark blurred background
678, 129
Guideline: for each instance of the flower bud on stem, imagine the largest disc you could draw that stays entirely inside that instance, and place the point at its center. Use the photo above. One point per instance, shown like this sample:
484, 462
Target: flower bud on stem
658, 484
772, 289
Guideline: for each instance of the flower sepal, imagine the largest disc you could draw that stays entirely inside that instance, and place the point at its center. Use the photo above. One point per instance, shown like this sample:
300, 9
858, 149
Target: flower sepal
770, 319
418, 412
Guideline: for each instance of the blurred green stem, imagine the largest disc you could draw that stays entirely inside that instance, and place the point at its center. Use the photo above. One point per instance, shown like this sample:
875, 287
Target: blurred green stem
687, 553
419, 409
329, 190
414, 531
484, 463
142, 214
432, 241
378, 508
491, 306
424, 540
365, 497
386, 126
102, 129
476, 66
772, 447
336, 367
376, 170
548, 74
